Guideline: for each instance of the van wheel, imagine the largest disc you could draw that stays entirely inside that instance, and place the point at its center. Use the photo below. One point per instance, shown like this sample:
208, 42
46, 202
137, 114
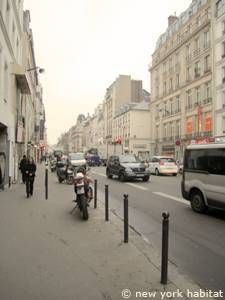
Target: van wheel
146, 178
157, 172
197, 202
122, 177
108, 173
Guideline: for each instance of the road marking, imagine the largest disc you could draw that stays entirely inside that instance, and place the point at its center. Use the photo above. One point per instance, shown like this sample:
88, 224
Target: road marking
128, 183
100, 174
137, 186
181, 200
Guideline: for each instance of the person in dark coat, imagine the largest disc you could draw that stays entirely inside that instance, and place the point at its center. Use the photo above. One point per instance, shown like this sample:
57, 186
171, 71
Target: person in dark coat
23, 163
30, 170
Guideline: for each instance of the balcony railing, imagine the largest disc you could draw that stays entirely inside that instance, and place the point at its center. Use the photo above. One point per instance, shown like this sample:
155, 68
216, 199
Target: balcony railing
207, 100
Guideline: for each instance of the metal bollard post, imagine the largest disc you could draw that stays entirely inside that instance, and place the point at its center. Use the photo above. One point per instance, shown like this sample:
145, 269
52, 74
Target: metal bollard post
46, 181
95, 194
9, 185
106, 202
165, 244
126, 224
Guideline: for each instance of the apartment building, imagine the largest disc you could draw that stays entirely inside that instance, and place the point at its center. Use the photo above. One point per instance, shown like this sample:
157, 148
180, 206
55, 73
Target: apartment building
131, 130
19, 90
11, 37
218, 12
122, 91
181, 81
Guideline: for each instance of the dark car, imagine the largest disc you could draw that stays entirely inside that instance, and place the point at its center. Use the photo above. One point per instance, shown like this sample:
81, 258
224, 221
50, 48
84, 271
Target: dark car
93, 160
127, 167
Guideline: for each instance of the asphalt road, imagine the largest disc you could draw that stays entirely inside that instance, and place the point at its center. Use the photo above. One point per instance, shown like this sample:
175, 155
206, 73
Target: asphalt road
196, 241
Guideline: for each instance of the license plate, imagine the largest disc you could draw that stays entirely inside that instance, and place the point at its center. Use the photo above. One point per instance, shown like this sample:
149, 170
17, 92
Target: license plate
139, 175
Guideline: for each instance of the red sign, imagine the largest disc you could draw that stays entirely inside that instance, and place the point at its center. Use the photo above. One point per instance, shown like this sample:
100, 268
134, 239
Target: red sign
208, 123
189, 126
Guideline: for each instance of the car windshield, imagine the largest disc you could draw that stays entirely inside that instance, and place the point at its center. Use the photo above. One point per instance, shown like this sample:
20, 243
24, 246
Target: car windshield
128, 159
167, 159
76, 156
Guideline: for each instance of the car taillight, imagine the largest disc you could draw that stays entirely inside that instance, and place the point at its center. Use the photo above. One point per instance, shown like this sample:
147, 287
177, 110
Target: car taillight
161, 163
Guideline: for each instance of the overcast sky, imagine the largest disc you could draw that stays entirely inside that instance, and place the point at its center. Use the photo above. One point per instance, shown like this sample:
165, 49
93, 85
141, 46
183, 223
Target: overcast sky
85, 44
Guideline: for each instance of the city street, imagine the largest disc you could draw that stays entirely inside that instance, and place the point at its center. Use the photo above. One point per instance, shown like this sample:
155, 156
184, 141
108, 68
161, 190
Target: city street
197, 241
48, 253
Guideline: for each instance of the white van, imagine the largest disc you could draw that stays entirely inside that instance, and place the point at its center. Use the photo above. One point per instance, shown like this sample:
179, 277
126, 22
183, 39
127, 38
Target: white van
203, 180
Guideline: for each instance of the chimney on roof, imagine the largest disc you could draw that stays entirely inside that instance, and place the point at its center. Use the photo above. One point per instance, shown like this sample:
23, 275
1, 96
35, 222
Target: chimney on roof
172, 19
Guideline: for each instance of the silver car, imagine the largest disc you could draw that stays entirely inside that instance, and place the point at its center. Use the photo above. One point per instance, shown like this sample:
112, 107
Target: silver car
163, 165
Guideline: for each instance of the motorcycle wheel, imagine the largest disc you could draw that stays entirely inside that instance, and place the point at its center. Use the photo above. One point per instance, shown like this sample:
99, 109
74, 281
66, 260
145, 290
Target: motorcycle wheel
69, 180
84, 208
60, 179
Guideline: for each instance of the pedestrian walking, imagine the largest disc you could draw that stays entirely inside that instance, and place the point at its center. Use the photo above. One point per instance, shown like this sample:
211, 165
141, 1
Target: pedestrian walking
30, 170
23, 163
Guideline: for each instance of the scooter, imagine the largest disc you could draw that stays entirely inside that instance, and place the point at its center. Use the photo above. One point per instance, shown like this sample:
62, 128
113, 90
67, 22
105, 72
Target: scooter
84, 195
65, 174
53, 165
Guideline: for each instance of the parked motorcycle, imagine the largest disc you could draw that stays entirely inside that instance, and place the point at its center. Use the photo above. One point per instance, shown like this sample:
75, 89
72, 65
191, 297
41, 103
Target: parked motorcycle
64, 173
53, 165
84, 194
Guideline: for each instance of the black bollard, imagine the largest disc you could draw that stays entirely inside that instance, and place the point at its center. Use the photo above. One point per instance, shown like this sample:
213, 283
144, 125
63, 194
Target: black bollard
46, 181
165, 244
95, 194
9, 185
126, 224
106, 202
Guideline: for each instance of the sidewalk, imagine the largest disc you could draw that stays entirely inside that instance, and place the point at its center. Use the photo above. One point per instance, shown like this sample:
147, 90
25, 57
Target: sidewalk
49, 254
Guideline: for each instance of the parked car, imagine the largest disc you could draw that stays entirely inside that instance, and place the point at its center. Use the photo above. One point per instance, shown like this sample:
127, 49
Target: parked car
163, 165
93, 160
126, 167
203, 179
77, 160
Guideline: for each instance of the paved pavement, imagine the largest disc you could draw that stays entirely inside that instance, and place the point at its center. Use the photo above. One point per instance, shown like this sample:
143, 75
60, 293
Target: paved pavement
48, 254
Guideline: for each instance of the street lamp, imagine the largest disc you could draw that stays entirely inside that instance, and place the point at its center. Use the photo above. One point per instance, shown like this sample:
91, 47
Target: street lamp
40, 70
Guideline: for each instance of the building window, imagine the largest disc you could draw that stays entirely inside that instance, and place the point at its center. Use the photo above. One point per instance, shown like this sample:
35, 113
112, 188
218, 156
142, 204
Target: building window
223, 74
197, 95
6, 82
206, 39
188, 51
223, 125
207, 91
157, 132
177, 129
171, 84
188, 73
177, 58
197, 69
197, 43
189, 99
170, 64
223, 27
164, 87
165, 131
177, 104
223, 99
207, 63
177, 80
171, 106
198, 23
